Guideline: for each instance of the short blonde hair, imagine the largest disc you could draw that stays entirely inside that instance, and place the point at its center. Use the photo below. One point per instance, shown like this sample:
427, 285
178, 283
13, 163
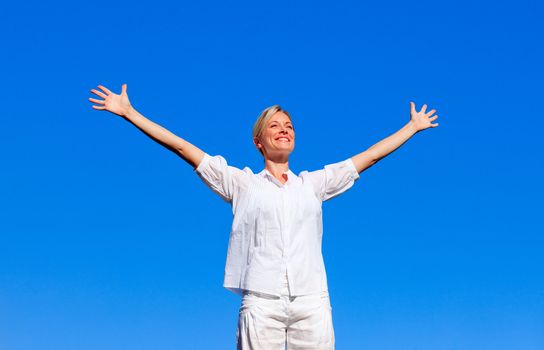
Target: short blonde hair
260, 123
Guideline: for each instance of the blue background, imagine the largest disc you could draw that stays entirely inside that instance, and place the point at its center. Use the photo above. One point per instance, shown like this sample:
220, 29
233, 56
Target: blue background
110, 241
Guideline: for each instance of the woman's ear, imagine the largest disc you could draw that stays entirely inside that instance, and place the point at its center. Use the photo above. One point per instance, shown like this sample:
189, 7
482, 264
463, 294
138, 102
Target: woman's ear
257, 143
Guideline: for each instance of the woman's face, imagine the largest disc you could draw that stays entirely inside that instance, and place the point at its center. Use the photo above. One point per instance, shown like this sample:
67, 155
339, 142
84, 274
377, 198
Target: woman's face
278, 137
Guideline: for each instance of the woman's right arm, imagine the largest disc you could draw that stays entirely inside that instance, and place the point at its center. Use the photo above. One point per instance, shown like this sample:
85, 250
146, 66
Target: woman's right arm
120, 105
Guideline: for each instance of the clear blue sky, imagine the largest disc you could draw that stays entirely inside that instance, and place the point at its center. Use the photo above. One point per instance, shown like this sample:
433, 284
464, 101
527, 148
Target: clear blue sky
110, 241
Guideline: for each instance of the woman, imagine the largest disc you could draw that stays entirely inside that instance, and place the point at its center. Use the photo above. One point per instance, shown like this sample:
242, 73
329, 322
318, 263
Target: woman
274, 258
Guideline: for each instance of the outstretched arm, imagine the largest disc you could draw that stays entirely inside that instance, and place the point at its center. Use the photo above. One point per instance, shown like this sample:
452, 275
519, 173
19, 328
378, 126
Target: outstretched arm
418, 121
120, 105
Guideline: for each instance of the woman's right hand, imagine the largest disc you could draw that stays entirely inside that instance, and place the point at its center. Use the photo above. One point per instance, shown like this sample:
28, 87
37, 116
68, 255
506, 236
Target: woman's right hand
118, 104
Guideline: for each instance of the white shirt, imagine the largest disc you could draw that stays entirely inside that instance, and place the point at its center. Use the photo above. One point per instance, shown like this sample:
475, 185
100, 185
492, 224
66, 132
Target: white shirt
277, 228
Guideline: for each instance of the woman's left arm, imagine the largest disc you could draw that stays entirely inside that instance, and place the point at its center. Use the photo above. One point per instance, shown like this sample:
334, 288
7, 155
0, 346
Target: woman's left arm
418, 121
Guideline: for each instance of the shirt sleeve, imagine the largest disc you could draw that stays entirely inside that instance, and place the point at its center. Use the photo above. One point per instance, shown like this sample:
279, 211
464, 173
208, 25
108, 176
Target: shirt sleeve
333, 179
220, 177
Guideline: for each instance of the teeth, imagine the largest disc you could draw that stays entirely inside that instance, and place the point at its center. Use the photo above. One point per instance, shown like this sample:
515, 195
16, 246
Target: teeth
282, 139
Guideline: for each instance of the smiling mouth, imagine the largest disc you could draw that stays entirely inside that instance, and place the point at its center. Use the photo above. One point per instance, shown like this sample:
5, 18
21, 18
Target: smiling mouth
283, 139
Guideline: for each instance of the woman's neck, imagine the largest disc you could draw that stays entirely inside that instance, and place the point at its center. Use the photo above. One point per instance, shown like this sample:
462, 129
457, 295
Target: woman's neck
278, 168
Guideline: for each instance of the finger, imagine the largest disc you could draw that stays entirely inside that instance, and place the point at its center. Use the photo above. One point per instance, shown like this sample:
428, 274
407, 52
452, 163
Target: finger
434, 125
99, 107
124, 89
424, 108
94, 100
431, 112
412, 108
432, 119
98, 93
105, 89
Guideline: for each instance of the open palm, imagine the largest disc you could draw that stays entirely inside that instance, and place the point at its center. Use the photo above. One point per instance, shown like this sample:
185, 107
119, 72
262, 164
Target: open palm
118, 104
421, 119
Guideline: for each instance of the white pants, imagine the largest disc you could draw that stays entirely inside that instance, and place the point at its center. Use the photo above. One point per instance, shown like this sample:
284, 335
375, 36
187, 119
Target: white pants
270, 323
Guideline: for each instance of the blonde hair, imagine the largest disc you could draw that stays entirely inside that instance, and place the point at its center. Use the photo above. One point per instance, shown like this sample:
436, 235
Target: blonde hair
260, 123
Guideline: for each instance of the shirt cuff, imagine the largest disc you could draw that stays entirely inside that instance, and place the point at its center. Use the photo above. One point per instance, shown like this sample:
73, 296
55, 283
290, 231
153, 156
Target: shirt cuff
203, 163
353, 170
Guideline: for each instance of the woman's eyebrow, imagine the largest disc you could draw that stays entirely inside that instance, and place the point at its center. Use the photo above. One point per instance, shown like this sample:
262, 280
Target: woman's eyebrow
275, 121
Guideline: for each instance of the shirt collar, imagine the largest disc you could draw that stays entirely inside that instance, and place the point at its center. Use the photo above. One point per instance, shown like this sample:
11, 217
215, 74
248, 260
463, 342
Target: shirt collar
290, 177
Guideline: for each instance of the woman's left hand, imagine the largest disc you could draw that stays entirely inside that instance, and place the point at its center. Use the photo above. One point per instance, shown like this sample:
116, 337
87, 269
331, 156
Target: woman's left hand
422, 120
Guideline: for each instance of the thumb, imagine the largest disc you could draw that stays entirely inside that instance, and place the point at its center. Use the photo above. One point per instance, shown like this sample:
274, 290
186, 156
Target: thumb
124, 89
